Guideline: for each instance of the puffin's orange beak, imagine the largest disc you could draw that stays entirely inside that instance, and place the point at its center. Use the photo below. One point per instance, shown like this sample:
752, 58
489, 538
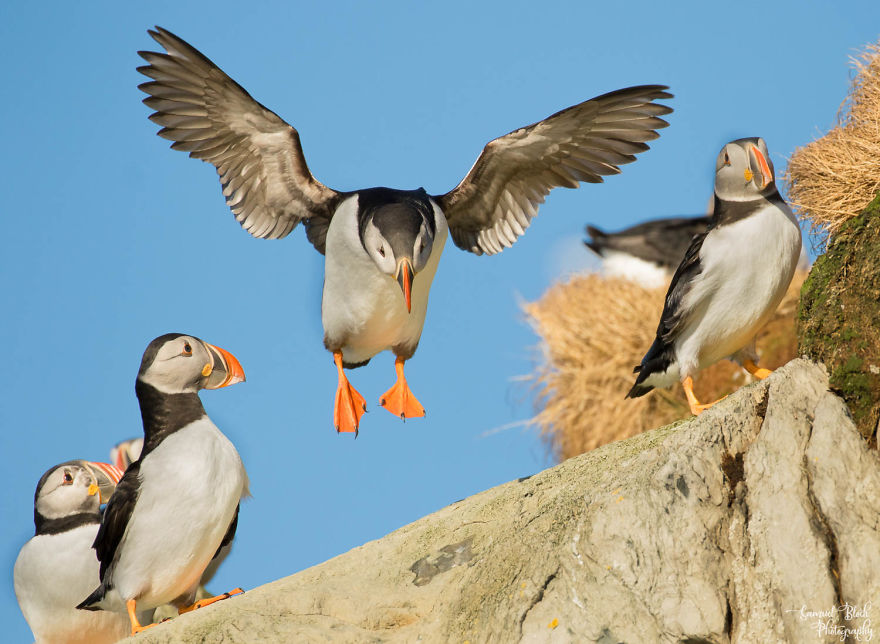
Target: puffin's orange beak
107, 476
405, 278
229, 369
763, 167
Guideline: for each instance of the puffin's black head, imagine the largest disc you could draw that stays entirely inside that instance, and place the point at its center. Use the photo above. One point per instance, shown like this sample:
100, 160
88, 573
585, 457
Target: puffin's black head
397, 231
175, 363
73, 487
743, 170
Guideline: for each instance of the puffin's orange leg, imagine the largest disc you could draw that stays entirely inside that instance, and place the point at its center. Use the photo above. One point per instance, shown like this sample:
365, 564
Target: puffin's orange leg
696, 406
399, 400
758, 372
210, 600
132, 615
349, 405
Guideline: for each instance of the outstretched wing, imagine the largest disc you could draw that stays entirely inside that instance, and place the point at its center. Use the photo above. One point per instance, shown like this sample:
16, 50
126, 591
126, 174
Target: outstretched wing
258, 156
496, 201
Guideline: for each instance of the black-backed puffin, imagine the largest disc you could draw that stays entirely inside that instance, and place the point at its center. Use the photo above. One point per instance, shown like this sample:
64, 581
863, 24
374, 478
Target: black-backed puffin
57, 567
382, 245
731, 278
177, 505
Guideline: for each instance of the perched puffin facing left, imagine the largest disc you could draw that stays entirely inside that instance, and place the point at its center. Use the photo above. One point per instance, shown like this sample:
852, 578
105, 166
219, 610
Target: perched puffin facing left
57, 567
730, 280
177, 505
382, 246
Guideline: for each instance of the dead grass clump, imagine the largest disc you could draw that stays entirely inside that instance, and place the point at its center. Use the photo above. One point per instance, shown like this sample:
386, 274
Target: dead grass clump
833, 179
594, 330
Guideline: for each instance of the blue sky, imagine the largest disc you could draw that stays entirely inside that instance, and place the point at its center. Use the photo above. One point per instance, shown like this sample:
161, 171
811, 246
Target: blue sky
112, 239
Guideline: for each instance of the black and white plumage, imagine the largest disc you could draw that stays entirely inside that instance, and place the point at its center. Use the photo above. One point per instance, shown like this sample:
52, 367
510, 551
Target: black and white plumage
177, 505
647, 253
372, 238
127, 452
57, 566
731, 278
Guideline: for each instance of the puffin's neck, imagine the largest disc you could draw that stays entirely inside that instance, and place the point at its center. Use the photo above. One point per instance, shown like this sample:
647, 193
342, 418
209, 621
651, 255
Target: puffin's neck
163, 414
57, 526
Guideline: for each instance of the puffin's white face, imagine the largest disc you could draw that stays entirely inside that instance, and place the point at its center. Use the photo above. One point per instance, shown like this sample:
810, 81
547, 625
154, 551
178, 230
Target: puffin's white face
177, 364
382, 252
69, 489
400, 253
743, 170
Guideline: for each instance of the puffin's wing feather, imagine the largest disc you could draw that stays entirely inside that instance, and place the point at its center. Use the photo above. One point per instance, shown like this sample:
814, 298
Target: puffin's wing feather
116, 517
258, 156
496, 201
675, 317
230, 532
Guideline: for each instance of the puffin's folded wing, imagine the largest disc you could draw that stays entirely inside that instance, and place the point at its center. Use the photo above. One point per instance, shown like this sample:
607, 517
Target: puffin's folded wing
258, 156
496, 201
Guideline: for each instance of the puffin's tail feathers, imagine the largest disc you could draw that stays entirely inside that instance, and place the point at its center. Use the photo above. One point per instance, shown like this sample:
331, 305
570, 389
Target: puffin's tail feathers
596, 242
656, 361
91, 602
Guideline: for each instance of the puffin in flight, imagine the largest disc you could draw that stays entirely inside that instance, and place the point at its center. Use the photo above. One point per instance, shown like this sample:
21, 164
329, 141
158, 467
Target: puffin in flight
176, 506
381, 245
731, 278
57, 567
647, 253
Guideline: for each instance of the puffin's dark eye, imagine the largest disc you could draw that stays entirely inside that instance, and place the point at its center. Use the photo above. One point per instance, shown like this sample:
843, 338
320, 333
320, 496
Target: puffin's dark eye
187, 349
68, 478
382, 251
726, 159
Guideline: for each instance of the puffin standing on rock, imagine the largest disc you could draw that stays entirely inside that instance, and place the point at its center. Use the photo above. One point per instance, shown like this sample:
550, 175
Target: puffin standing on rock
731, 279
382, 245
177, 505
57, 567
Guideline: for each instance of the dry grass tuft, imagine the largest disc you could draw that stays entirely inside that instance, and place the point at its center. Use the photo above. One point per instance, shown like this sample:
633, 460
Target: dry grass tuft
594, 331
833, 178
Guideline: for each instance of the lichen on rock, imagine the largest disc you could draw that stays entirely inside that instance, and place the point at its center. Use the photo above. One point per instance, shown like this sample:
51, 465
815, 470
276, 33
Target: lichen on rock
839, 316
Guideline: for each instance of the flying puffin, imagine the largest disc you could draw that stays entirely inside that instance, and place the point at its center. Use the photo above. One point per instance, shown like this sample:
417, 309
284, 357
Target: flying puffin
731, 278
177, 505
647, 253
381, 245
57, 567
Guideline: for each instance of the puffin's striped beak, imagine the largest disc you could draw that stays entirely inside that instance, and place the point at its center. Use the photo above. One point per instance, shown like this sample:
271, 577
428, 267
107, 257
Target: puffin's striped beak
224, 370
405, 278
763, 168
107, 477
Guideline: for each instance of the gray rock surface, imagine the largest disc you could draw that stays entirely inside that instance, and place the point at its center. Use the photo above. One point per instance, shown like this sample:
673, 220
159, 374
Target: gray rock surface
753, 523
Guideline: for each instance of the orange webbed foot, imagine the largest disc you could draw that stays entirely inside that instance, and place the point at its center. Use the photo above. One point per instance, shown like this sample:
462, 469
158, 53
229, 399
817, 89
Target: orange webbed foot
210, 600
758, 372
696, 406
399, 400
349, 405
131, 607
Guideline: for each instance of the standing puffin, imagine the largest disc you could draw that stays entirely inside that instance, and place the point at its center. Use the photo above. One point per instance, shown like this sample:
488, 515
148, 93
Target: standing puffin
647, 253
177, 505
731, 279
57, 567
381, 245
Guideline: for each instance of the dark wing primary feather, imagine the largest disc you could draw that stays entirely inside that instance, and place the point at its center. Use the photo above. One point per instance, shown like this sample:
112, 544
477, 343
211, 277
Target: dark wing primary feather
662, 241
674, 317
258, 156
116, 517
230, 532
496, 201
